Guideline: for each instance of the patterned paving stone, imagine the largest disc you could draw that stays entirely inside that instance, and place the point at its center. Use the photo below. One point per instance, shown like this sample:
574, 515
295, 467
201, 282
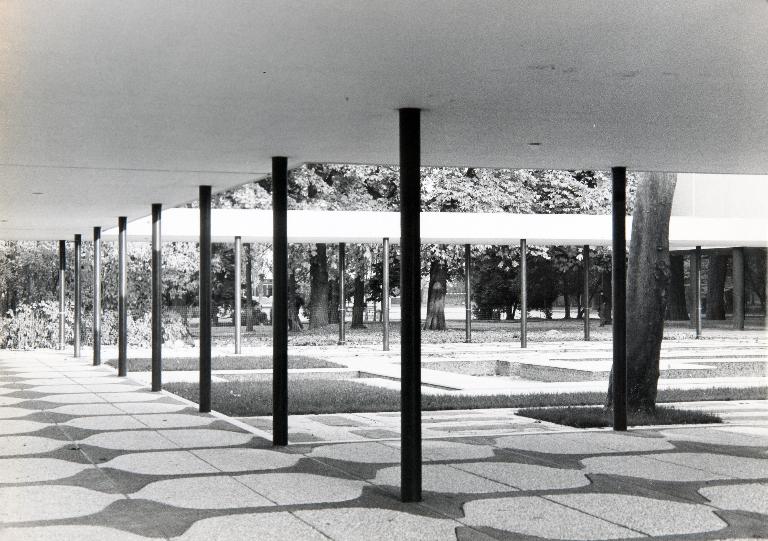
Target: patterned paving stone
752, 497
9, 401
203, 493
648, 515
205, 437
28, 445
643, 467
88, 410
367, 452
50, 502
445, 479
106, 422
300, 488
238, 460
20, 427
543, 518
160, 463
527, 476
585, 443
73, 398
133, 440
14, 413
150, 407
70, 533
171, 420
724, 465
378, 524
438, 450
32, 470
271, 527
711, 436
76, 389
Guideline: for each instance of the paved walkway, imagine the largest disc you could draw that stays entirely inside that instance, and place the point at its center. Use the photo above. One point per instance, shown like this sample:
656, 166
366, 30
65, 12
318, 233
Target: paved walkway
89, 456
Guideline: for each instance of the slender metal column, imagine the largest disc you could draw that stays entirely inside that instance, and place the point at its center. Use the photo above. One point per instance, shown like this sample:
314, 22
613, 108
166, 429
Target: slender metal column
96, 296
410, 295
467, 294
342, 294
280, 301
157, 298
248, 289
238, 292
205, 299
696, 285
78, 296
62, 289
385, 292
122, 297
619, 271
738, 289
523, 293
585, 294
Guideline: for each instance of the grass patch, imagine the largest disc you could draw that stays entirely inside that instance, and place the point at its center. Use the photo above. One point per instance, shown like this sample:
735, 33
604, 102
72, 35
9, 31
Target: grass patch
254, 398
259, 362
598, 417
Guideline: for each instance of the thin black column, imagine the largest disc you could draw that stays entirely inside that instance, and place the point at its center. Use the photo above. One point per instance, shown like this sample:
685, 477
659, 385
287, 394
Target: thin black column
410, 305
122, 293
619, 278
280, 301
696, 284
385, 293
205, 299
238, 292
467, 295
62, 289
342, 294
157, 298
78, 296
248, 289
738, 288
523, 293
96, 296
585, 294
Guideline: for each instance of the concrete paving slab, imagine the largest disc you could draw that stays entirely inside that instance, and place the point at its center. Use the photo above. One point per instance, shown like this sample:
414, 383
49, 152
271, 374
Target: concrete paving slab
583, 443
751, 497
160, 463
302, 488
205, 437
70, 533
282, 526
212, 492
645, 467
445, 479
33, 470
20, 427
28, 445
134, 440
50, 502
241, 460
14, 413
527, 476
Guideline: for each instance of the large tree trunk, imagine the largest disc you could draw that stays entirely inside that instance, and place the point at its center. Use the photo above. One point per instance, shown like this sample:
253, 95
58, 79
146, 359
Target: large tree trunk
438, 281
755, 273
294, 305
333, 301
648, 279
718, 268
677, 309
319, 289
358, 302
566, 299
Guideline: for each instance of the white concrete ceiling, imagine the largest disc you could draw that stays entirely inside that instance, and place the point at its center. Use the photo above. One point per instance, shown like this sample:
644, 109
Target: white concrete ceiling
312, 226
107, 106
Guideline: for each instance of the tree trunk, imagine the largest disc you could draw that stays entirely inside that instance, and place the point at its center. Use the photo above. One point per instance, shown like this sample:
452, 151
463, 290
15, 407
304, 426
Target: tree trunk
294, 305
718, 268
333, 301
358, 302
605, 305
510, 312
566, 299
438, 281
648, 280
319, 289
677, 309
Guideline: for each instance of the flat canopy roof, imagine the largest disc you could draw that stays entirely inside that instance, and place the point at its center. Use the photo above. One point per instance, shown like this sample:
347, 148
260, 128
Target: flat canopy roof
308, 226
109, 106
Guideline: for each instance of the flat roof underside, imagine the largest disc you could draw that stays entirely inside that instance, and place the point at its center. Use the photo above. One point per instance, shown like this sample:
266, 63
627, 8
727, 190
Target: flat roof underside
308, 226
108, 106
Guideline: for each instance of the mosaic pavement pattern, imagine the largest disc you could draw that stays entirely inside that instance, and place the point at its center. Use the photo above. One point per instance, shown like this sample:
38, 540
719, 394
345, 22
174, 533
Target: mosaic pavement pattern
88, 456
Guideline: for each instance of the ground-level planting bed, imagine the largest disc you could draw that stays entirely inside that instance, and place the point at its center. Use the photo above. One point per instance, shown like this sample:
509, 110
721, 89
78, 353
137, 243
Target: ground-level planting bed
598, 416
254, 398
239, 362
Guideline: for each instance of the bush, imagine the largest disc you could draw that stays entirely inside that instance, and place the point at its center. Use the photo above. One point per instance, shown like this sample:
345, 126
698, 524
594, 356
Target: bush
36, 325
